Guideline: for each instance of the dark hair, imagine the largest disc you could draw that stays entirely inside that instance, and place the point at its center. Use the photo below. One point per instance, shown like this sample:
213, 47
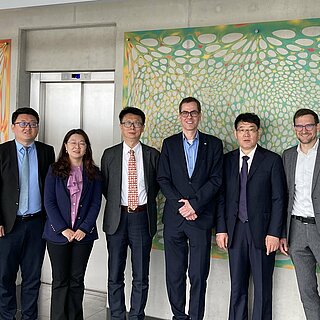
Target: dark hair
247, 117
24, 110
188, 100
303, 112
62, 167
133, 110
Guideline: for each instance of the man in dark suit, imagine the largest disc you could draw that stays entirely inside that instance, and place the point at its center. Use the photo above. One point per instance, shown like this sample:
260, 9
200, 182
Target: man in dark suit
302, 167
23, 167
190, 175
250, 218
130, 216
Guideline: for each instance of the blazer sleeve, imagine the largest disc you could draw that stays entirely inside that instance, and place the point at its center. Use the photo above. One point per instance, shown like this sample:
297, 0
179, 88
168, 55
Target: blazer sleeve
164, 179
54, 215
278, 198
89, 223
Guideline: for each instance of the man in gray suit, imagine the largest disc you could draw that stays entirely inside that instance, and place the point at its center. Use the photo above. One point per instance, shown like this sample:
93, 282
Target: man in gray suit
302, 166
129, 222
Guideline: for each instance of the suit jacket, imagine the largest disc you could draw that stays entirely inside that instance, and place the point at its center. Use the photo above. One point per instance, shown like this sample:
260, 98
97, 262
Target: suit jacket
111, 167
58, 207
201, 189
9, 179
266, 194
290, 157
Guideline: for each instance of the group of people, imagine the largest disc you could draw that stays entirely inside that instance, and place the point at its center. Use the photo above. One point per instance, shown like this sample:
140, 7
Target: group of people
256, 201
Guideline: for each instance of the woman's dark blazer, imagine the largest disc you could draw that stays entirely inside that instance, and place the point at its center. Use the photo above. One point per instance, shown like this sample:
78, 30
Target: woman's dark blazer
58, 207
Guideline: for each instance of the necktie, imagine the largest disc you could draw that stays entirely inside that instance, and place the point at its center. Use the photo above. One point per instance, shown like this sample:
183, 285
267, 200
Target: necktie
24, 183
243, 214
132, 182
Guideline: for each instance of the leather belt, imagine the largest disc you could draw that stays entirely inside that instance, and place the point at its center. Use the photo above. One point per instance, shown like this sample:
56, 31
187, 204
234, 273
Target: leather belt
29, 217
305, 220
138, 209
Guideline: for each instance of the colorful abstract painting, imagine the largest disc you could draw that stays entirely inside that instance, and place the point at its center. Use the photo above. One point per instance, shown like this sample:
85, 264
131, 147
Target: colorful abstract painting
5, 66
269, 68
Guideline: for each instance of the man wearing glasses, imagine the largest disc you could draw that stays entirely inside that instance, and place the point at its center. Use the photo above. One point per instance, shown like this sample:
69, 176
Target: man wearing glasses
302, 167
190, 175
250, 218
130, 216
23, 165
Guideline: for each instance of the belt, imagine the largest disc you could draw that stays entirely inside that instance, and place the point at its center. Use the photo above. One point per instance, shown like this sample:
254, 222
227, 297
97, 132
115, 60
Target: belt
305, 220
137, 209
29, 217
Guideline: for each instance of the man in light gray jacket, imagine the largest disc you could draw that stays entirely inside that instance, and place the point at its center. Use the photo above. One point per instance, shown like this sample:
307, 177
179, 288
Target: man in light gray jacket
302, 242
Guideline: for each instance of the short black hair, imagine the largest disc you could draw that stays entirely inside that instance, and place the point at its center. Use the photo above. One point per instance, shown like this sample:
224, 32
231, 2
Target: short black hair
188, 100
247, 117
24, 110
304, 112
133, 110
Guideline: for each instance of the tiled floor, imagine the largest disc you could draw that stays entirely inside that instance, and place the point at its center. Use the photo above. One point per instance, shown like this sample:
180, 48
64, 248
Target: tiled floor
94, 305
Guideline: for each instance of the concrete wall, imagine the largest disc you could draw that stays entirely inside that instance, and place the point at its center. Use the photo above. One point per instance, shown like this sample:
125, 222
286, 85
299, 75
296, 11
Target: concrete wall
26, 25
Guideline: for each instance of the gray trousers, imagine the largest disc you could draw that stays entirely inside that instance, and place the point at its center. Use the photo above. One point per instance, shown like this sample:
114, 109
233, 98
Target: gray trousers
305, 253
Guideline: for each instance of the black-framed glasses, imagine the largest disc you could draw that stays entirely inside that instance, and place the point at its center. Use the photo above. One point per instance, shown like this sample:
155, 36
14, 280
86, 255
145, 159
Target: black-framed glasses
186, 114
308, 127
24, 124
135, 124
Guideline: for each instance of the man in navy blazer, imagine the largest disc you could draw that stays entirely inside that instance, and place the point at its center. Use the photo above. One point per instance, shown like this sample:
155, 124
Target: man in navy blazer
190, 175
126, 226
251, 235
21, 243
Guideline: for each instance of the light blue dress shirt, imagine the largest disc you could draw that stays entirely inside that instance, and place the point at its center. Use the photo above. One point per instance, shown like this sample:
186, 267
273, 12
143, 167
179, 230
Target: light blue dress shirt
191, 152
34, 190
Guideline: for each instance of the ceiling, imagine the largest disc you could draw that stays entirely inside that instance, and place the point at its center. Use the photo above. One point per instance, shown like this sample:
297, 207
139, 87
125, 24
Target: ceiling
11, 4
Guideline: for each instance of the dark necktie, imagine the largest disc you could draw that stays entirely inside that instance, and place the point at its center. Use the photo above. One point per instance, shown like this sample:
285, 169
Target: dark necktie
243, 214
24, 183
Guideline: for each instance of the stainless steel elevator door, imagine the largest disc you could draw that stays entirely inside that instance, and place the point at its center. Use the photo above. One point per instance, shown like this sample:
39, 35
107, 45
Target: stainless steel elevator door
64, 105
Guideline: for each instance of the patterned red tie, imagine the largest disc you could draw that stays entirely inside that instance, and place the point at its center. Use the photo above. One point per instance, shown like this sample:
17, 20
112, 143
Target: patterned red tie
132, 182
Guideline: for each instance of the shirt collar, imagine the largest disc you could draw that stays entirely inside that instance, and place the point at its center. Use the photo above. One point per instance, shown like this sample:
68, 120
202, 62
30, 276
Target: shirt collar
313, 149
250, 154
195, 138
126, 148
21, 146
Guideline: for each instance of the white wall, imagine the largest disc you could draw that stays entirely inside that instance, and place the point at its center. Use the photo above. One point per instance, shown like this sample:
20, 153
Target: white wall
129, 15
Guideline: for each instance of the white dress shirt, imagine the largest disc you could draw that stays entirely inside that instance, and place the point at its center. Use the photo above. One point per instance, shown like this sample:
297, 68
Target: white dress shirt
302, 203
142, 192
250, 155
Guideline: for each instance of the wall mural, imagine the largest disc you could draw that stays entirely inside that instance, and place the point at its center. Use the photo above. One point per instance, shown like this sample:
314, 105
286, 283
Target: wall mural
270, 68
5, 66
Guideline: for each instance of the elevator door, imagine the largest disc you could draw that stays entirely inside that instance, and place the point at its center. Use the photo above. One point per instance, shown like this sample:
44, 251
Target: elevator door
76, 100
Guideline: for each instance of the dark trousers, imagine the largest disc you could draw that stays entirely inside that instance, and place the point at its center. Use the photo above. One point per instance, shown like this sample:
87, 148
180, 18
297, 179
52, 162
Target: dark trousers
133, 232
187, 248
246, 259
69, 262
23, 247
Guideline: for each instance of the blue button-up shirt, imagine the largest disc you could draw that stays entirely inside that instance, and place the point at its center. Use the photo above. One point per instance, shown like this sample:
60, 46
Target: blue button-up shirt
34, 190
191, 152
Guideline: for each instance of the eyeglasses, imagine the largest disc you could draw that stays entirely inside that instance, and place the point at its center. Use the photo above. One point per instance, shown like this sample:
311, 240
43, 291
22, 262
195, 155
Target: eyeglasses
186, 114
250, 131
308, 127
24, 124
129, 124
74, 144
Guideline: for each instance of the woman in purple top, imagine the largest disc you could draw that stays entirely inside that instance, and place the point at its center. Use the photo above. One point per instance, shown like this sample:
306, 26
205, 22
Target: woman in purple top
72, 199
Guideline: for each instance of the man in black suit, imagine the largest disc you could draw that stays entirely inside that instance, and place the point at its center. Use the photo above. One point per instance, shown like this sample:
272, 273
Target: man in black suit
129, 224
190, 175
23, 167
250, 218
